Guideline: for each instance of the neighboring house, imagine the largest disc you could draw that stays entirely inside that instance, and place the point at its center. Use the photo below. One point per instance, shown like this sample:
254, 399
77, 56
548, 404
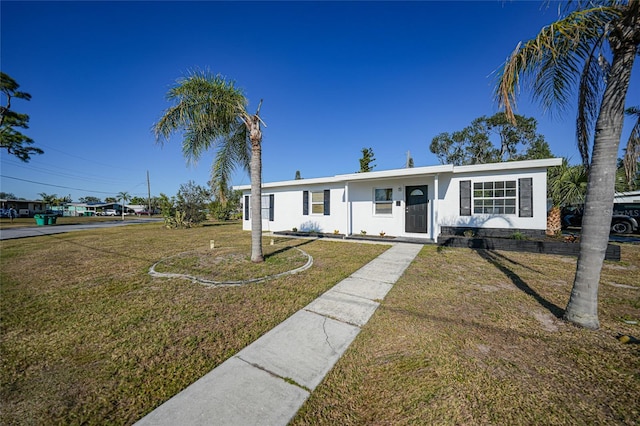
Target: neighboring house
420, 202
24, 208
83, 209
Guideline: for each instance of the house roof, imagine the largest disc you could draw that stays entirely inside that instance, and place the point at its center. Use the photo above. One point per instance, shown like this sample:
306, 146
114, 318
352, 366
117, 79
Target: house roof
414, 171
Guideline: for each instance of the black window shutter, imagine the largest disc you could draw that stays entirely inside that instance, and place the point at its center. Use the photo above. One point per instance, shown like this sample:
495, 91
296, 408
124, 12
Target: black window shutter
465, 198
305, 203
271, 200
525, 197
246, 207
327, 202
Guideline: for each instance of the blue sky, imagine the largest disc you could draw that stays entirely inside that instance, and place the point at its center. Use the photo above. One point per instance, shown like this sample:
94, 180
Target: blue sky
334, 77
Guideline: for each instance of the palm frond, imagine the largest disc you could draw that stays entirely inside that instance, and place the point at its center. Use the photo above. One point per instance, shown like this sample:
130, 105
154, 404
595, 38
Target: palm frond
232, 152
206, 109
590, 90
550, 61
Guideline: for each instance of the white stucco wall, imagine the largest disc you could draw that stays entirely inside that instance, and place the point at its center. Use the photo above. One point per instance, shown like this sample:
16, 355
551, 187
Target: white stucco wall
288, 210
363, 215
443, 210
449, 213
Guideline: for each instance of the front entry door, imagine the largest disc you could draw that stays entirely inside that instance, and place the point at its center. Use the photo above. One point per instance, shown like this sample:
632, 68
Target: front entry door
415, 218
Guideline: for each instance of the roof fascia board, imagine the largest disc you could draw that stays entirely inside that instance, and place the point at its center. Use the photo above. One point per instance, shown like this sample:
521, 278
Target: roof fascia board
410, 172
509, 165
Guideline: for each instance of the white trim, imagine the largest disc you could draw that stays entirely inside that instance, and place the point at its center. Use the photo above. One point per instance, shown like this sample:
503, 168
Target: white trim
411, 172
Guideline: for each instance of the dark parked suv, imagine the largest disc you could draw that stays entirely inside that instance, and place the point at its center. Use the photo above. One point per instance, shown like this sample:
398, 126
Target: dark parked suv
620, 223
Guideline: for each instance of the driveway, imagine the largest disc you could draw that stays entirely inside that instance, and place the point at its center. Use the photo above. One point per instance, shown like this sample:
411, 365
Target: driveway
35, 231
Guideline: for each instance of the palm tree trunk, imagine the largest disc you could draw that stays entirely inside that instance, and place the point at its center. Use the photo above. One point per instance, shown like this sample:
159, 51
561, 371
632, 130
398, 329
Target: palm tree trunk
554, 222
582, 308
256, 190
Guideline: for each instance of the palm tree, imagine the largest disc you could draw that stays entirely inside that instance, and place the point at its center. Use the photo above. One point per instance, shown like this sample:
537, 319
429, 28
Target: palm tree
566, 185
212, 113
571, 54
48, 199
123, 197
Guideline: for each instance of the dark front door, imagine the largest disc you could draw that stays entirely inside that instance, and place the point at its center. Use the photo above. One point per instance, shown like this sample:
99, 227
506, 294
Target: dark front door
415, 218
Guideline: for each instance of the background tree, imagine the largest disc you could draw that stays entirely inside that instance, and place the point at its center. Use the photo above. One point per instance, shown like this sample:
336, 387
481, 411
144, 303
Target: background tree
139, 201
166, 206
211, 112
566, 185
123, 197
11, 139
409, 163
48, 199
89, 199
474, 145
7, 195
572, 55
64, 199
191, 201
366, 160
298, 176
229, 209
110, 200
632, 152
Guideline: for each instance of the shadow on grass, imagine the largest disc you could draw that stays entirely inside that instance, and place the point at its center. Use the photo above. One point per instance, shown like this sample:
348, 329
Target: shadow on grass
448, 321
287, 247
499, 261
206, 225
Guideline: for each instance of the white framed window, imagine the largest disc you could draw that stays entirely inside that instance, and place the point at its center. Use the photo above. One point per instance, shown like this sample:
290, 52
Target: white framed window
265, 207
383, 201
317, 202
498, 197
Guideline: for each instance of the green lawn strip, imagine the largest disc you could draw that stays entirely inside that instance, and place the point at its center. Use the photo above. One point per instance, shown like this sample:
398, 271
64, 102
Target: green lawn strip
89, 337
469, 337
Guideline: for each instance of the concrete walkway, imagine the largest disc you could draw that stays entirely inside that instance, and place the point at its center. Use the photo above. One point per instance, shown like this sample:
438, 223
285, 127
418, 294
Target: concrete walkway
267, 382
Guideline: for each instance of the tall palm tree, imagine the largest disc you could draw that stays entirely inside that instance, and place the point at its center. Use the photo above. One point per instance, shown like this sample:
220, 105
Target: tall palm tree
212, 113
571, 55
123, 197
566, 185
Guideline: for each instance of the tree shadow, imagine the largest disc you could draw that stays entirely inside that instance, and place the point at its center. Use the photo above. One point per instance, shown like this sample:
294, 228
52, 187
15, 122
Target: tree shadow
297, 244
498, 261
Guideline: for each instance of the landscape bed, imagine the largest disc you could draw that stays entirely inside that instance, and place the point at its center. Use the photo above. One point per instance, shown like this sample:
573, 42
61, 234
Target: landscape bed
544, 246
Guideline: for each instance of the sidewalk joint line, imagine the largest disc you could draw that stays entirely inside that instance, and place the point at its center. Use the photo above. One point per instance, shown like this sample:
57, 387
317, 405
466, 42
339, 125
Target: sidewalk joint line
271, 373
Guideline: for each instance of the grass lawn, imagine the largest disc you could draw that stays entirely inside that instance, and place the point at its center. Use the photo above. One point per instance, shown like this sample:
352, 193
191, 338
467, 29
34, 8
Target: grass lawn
474, 338
88, 337
22, 222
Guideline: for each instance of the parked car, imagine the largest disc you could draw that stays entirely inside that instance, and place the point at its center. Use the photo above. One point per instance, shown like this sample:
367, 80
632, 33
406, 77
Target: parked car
620, 223
110, 212
144, 213
4, 212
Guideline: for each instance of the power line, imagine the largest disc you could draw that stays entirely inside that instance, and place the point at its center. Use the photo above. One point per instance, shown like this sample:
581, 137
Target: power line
84, 159
56, 186
61, 173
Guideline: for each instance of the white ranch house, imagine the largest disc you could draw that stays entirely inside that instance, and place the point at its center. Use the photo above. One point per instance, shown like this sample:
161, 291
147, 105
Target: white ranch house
420, 202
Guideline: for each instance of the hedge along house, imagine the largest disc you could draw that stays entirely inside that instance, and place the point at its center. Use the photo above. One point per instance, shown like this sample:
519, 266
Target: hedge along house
420, 202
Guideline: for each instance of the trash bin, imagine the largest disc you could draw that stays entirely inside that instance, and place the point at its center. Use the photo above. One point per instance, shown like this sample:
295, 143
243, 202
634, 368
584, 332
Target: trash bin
40, 220
49, 219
